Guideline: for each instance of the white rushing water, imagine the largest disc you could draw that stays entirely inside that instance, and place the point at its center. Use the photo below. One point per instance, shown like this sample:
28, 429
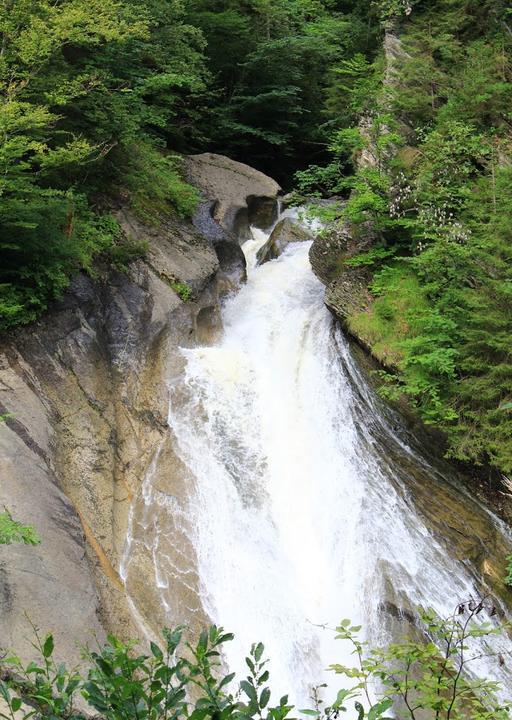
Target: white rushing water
296, 522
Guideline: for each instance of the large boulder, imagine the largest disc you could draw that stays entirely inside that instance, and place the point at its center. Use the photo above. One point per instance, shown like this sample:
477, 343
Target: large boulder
241, 195
177, 252
285, 232
234, 197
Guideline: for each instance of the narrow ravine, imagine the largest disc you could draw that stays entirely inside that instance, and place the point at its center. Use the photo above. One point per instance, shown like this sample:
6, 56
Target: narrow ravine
306, 504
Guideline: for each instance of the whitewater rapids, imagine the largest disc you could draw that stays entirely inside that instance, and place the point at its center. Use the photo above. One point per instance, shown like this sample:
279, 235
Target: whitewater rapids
298, 518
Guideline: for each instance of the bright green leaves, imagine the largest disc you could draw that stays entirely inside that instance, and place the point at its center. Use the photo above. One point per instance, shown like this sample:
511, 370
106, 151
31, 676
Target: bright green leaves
431, 188
80, 83
184, 681
353, 85
427, 678
12, 531
42, 684
48, 646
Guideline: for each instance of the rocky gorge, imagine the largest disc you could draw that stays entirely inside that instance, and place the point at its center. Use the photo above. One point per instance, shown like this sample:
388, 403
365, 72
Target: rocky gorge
132, 415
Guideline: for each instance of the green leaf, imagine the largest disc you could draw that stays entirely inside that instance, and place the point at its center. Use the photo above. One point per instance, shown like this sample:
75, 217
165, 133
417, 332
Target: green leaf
264, 698
48, 646
156, 651
226, 680
340, 697
258, 652
376, 710
250, 691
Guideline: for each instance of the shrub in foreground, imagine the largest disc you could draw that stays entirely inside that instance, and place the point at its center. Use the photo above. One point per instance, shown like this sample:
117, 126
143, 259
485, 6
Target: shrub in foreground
409, 680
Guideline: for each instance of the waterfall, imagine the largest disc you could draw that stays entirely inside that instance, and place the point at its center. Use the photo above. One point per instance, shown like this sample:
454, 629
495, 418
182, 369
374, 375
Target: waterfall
301, 512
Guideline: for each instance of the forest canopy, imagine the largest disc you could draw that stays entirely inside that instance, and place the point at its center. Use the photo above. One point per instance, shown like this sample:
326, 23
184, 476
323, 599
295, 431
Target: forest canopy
99, 95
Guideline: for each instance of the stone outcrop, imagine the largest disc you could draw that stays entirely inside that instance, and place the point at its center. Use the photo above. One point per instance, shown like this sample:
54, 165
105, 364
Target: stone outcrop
241, 195
346, 286
85, 388
234, 197
85, 391
286, 231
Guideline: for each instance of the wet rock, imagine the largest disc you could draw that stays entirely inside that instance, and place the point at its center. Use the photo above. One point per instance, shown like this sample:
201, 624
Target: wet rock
262, 212
235, 197
232, 263
328, 251
169, 590
348, 293
346, 286
233, 266
204, 221
286, 231
87, 392
86, 389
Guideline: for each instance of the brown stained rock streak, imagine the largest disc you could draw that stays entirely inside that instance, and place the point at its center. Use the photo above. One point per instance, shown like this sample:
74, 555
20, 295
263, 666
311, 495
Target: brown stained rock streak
107, 568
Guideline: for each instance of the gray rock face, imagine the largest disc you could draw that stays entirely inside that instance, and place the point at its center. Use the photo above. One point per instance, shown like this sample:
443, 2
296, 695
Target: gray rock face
235, 197
31, 578
348, 294
328, 251
86, 387
87, 392
286, 231
232, 265
241, 195
346, 287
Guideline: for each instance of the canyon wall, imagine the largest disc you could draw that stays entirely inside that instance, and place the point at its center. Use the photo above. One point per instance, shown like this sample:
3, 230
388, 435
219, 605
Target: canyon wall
85, 399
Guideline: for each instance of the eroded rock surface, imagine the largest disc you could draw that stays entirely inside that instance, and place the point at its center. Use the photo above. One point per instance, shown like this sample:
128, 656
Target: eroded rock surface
235, 197
86, 391
241, 194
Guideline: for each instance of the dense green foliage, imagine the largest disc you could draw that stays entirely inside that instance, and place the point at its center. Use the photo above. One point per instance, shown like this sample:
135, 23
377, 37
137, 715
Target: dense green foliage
97, 98
436, 188
271, 64
425, 679
87, 89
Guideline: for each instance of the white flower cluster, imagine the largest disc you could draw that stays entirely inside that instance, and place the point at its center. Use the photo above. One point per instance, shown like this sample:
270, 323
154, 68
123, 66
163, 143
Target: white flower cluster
401, 193
437, 220
443, 222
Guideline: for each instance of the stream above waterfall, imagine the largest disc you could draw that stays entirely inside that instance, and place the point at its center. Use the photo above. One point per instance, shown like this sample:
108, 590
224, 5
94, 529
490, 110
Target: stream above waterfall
306, 501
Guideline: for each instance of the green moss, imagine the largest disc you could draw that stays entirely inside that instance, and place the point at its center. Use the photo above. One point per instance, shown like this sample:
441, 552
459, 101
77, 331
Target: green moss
386, 323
